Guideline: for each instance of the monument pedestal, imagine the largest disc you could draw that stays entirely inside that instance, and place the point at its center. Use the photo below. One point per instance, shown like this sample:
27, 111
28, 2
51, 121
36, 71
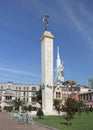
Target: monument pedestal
47, 72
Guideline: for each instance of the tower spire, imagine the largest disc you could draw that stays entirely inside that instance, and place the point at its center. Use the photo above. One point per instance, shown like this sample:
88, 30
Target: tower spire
59, 68
58, 57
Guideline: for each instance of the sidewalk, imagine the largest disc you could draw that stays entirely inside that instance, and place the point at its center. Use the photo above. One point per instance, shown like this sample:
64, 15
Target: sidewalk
6, 123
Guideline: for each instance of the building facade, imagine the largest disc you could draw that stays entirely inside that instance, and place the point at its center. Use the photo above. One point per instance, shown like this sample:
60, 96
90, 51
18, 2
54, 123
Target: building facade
10, 91
62, 92
87, 97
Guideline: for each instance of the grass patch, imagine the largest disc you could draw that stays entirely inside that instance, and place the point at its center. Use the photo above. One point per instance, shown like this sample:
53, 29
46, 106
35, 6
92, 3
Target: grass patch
82, 122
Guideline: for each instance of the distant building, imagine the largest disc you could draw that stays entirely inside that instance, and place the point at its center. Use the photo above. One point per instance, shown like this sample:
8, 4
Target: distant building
82, 89
90, 83
87, 97
10, 91
62, 92
27, 92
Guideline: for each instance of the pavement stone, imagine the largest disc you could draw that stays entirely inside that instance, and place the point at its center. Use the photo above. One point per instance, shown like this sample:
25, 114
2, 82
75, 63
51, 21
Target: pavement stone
7, 123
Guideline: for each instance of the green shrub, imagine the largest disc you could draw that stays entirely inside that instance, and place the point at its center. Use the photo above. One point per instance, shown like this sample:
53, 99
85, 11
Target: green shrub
40, 113
9, 108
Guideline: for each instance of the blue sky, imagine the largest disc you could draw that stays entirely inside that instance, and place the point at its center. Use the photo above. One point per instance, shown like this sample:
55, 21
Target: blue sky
21, 26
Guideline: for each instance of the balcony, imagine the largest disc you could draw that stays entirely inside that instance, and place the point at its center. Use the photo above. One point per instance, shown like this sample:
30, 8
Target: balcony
8, 94
7, 101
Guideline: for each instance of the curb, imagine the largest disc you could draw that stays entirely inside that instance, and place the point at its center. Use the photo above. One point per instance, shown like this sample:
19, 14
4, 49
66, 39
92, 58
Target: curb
51, 128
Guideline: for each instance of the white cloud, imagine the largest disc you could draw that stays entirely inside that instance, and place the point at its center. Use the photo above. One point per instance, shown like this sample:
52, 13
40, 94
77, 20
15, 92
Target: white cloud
85, 12
19, 72
83, 27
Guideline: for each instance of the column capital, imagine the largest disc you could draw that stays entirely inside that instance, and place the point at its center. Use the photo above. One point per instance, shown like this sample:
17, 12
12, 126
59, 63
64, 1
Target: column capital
47, 34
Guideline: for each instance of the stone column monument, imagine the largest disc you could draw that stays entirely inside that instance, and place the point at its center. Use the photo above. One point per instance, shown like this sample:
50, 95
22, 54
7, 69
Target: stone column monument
47, 69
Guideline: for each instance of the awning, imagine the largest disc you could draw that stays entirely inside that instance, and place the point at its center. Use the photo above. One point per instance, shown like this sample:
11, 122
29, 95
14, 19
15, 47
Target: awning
8, 105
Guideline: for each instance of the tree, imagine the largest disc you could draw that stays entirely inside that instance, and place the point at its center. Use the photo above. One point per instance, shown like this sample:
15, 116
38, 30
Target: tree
80, 105
69, 107
87, 109
57, 104
27, 108
39, 96
18, 103
40, 113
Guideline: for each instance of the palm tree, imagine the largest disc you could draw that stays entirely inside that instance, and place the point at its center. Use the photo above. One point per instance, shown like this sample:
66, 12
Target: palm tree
18, 103
80, 104
27, 108
39, 96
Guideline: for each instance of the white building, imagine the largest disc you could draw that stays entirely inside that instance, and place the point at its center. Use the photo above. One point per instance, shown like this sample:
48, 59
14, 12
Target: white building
10, 91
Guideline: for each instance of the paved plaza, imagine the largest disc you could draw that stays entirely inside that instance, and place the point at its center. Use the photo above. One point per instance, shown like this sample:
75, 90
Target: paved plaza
7, 123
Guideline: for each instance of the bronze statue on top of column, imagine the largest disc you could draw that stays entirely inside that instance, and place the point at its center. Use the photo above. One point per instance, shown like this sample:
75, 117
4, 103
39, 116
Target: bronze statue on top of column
45, 20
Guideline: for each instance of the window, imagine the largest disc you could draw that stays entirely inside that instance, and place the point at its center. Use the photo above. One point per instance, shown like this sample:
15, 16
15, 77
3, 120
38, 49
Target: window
33, 88
34, 94
19, 88
59, 94
87, 97
8, 91
83, 96
8, 97
24, 93
56, 94
0, 98
33, 99
27, 100
1, 87
27, 88
9, 86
